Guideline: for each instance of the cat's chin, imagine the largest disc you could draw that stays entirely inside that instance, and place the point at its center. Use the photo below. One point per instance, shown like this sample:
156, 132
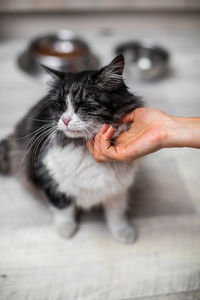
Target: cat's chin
73, 134
76, 134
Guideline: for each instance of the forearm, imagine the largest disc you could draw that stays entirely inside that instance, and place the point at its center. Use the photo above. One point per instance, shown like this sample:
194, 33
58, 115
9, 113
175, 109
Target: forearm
183, 132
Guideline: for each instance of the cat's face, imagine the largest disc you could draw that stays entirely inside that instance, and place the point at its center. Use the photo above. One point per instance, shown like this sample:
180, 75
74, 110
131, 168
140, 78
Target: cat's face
86, 100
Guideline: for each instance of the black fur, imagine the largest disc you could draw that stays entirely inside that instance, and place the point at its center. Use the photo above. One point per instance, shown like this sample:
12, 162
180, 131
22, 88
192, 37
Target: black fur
50, 187
4, 157
100, 96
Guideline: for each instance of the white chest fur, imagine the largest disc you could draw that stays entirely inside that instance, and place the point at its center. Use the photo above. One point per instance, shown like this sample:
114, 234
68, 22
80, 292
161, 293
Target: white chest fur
79, 175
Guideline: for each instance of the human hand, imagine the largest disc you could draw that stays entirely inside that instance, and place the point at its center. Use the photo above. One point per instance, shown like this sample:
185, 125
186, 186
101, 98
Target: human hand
148, 133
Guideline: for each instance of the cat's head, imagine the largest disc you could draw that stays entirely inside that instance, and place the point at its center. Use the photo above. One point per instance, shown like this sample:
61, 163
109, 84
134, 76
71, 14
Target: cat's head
84, 101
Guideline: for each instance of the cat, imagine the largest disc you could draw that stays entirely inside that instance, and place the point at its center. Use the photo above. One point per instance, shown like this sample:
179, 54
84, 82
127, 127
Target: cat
48, 148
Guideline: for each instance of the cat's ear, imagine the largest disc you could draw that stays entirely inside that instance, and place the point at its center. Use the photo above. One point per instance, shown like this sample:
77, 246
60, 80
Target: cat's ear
57, 75
111, 75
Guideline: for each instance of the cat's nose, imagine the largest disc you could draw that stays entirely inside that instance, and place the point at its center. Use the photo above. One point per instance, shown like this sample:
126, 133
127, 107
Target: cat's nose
66, 120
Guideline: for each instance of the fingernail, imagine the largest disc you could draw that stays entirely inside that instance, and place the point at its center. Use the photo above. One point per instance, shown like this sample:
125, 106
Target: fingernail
104, 128
109, 130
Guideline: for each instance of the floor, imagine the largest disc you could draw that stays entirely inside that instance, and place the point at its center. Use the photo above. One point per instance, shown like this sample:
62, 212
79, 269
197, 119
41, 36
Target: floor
164, 262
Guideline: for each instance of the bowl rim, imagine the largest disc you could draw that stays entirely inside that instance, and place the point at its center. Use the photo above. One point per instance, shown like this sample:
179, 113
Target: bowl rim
119, 49
61, 35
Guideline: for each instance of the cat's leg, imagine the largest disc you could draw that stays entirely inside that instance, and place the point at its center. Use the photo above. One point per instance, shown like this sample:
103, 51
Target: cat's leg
65, 220
118, 224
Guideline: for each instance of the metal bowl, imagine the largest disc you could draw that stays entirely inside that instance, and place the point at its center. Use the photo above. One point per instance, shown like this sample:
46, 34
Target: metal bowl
62, 51
144, 60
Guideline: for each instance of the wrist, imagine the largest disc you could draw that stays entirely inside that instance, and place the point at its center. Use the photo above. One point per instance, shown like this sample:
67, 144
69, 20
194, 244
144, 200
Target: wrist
183, 132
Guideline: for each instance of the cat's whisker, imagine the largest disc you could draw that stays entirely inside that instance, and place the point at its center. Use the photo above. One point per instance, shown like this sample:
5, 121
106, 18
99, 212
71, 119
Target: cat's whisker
53, 134
31, 146
41, 138
98, 142
34, 153
85, 135
45, 120
110, 140
48, 135
55, 130
89, 133
28, 135
34, 139
45, 127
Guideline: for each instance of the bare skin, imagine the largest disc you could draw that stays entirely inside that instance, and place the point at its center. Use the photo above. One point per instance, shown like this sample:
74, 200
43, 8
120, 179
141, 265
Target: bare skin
150, 131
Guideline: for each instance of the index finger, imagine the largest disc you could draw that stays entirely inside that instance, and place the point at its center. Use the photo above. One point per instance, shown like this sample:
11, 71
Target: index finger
128, 118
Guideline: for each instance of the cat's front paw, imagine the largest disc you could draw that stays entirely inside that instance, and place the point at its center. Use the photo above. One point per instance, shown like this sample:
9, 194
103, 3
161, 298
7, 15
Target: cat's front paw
67, 229
124, 234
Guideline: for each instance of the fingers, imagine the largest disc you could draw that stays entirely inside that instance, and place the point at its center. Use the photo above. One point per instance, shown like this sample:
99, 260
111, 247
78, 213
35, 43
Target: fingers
103, 151
128, 118
91, 143
108, 134
101, 147
104, 128
102, 144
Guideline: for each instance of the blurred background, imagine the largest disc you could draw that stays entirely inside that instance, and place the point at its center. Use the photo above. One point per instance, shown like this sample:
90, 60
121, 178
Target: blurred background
160, 40
28, 18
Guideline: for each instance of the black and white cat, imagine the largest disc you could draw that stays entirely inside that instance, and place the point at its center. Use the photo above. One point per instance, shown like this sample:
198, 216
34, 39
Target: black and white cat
48, 147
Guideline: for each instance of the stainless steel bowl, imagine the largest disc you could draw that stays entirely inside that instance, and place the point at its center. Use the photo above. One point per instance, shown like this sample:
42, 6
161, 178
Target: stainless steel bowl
62, 51
144, 60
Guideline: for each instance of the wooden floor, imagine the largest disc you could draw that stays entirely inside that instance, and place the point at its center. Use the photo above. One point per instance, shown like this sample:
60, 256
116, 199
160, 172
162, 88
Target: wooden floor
164, 262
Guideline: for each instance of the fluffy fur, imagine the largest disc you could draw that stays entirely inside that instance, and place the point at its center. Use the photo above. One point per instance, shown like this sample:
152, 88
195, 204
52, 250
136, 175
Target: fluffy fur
48, 147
